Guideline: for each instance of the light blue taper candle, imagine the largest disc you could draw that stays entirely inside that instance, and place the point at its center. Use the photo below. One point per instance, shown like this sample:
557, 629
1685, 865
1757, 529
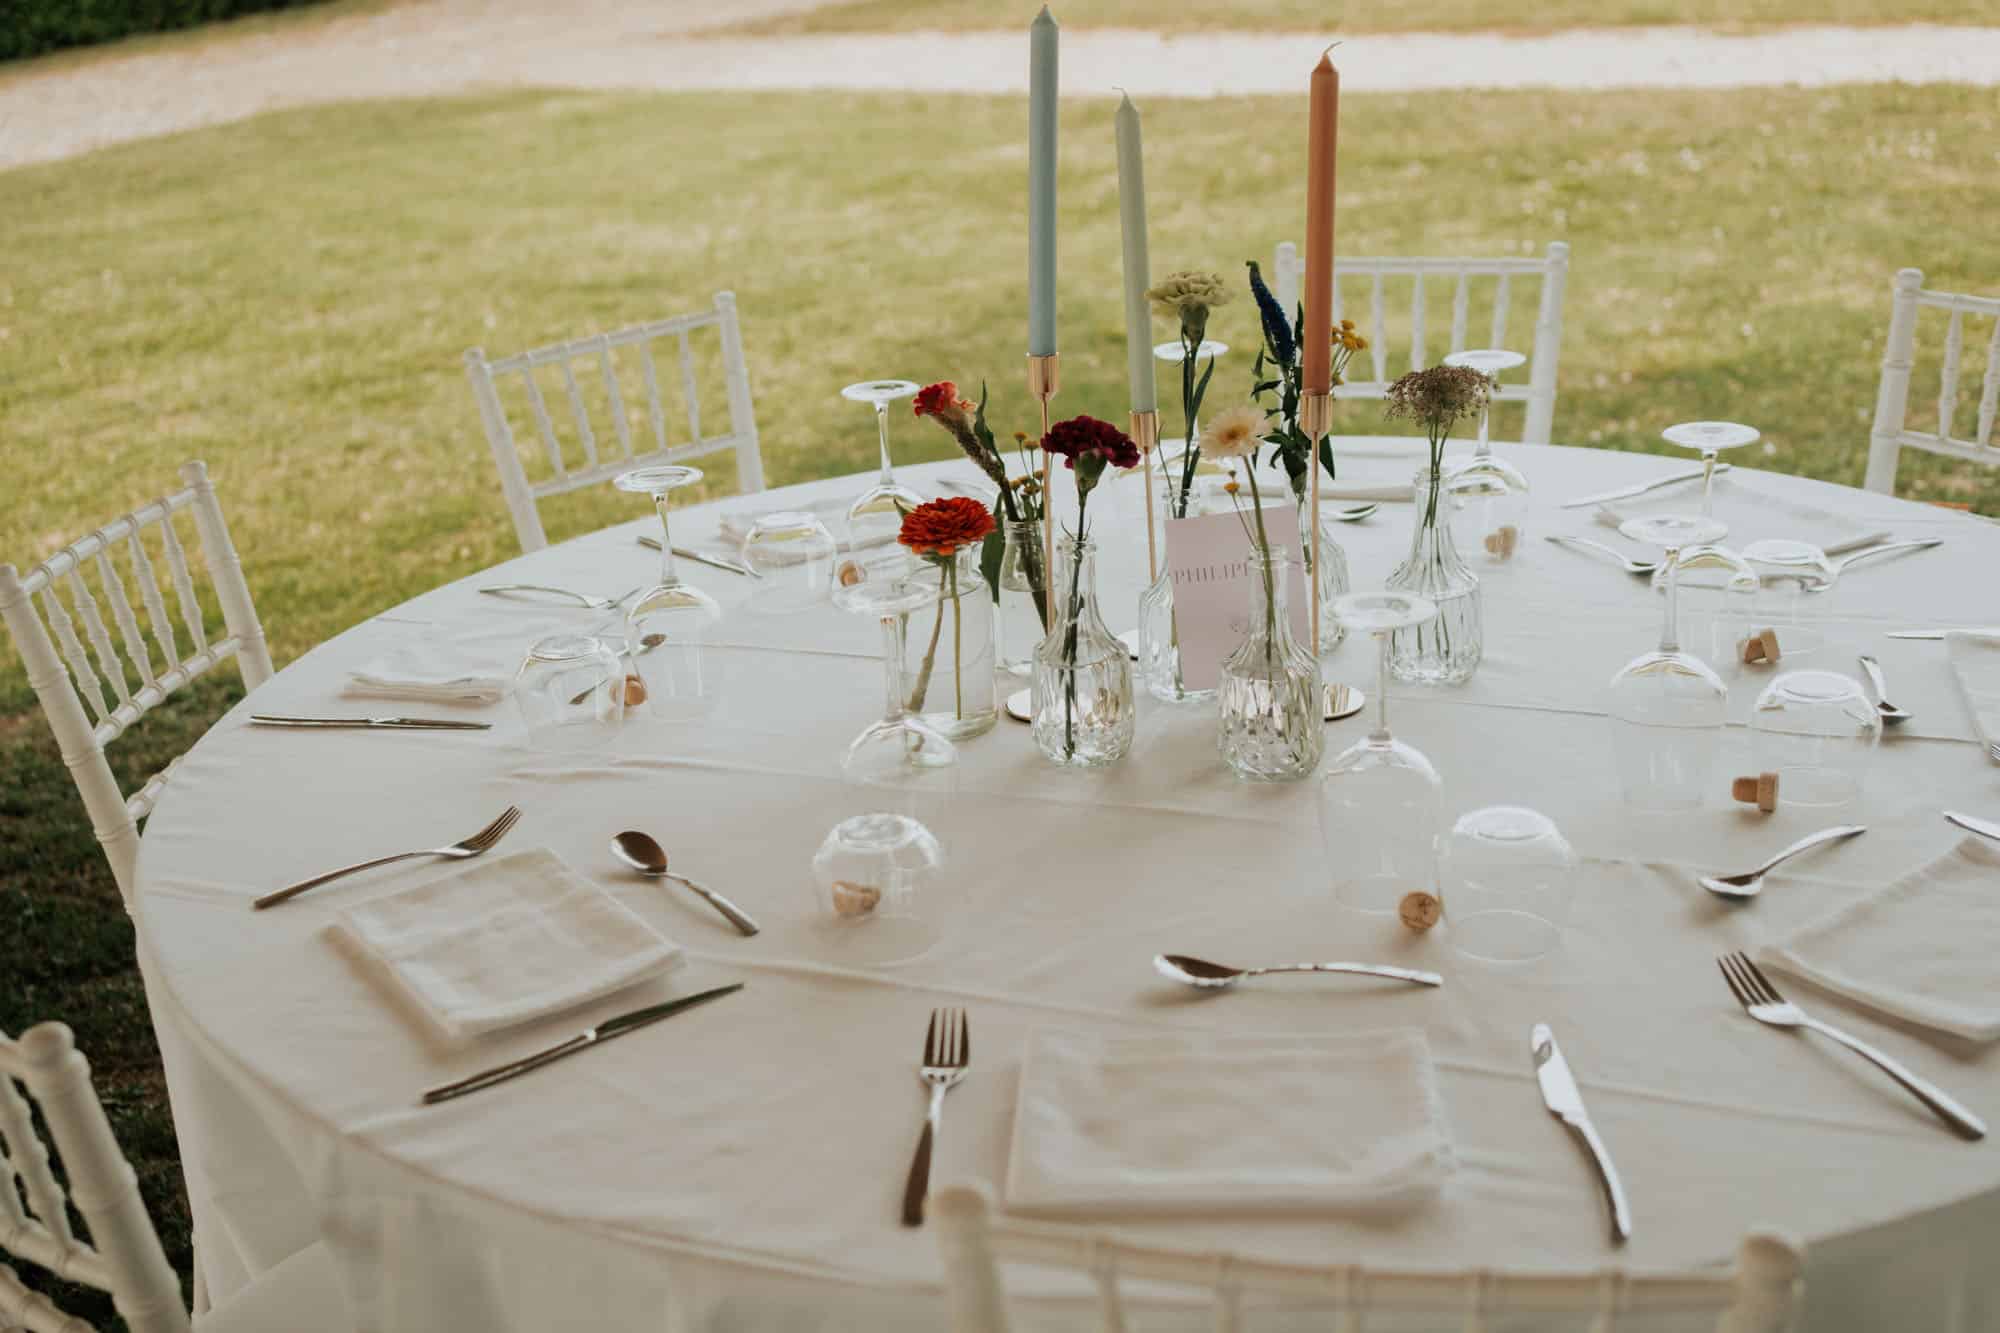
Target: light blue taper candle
1042, 185
1138, 266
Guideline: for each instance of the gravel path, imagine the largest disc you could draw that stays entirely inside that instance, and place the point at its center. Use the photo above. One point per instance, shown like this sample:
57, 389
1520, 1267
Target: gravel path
58, 108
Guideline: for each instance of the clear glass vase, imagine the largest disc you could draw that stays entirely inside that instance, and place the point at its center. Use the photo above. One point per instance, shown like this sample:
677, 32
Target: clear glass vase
1083, 708
1020, 599
1270, 726
948, 663
1442, 651
1332, 580
1159, 635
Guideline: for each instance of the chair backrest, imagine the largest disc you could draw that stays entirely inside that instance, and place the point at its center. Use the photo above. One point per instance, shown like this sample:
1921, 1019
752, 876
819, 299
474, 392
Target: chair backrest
121, 1253
1428, 277
1757, 1297
584, 462
1891, 432
89, 704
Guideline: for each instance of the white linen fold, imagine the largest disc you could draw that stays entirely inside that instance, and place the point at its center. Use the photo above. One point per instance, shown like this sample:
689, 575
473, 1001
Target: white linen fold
1975, 664
1752, 514
428, 672
502, 940
1925, 949
1214, 1122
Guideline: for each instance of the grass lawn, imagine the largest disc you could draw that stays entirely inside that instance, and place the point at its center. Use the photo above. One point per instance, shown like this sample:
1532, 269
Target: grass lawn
289, 297
1353, 16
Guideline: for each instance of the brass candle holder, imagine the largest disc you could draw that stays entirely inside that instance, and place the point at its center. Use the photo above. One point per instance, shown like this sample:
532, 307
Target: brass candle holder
1044, 377
1146, 434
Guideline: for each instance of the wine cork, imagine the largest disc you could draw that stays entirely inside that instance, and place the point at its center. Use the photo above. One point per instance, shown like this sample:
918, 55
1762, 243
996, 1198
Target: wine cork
1760, 791
851, 573
634, 691
851, 899
1761, 646
1420, 909
1501, 541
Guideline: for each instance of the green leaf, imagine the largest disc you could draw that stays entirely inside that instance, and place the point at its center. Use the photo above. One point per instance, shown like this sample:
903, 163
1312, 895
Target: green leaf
990, 555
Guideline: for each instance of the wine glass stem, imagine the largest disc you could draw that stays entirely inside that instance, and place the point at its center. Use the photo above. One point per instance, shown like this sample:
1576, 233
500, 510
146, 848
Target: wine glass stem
1483, 450
892, 667
1670, 623
1381, 686
669, 576
882, 427
1708, 483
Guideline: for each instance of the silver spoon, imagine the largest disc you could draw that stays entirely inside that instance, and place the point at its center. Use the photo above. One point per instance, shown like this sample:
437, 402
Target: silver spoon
646, 645
1214, 976
1642, 568
1751, 882
1837, 567
647, 857
1890, 713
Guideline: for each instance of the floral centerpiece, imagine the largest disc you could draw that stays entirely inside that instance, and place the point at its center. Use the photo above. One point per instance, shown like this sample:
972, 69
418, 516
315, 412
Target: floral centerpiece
936, 532
1019, 496
1187, 297
1444, 650
1082, 674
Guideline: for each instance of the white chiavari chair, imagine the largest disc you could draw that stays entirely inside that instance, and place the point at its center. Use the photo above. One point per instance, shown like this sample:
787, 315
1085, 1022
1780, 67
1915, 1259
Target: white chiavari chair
583, 462
1760, 1295
1891, 433
119, 1252
90, 703
1381, 319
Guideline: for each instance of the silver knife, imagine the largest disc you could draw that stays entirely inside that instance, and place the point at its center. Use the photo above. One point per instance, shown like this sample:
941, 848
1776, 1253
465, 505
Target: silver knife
1984, 827
703, 558
582, 1041
1560, 1093
1940, 633
393, 723
1627, 492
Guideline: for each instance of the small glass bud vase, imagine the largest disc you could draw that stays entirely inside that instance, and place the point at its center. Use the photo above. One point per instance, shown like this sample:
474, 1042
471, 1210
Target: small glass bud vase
1270, 726
1020, 599
1443, 650
948, 663
1331, 580
1159, 636
1083, 708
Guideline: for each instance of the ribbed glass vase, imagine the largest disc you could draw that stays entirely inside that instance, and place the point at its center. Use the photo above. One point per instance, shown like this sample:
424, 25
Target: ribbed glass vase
1444, 650
1159, 635
1083, 708
1270, 727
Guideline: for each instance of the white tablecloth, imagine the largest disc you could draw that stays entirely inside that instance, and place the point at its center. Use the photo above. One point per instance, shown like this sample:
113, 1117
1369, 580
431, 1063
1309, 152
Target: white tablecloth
740, 1166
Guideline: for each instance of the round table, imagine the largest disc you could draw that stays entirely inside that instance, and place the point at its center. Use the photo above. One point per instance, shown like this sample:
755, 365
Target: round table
743, 1165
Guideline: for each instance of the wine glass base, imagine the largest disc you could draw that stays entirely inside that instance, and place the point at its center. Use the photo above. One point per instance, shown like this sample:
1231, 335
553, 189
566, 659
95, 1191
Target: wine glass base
1504, 935
883, 502
900, 752
1377, 895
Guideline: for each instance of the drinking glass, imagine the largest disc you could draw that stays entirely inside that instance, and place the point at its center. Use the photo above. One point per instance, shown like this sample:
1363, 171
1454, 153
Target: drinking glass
1710, 438
1381, 801
1492, 488
1784, 604
571, 692
882, 504
1668, 707
898, 749
665, 624
1509, 877
1816, 731
877, 887
793, 555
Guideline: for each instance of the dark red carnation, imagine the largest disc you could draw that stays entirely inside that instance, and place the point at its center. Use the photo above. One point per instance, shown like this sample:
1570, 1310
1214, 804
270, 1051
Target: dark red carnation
1082, 436
942, 527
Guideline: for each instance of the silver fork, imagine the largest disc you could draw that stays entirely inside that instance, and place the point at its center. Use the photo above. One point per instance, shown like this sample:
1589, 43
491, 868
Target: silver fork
947, 1051
1754, 991
587, 603
480, 842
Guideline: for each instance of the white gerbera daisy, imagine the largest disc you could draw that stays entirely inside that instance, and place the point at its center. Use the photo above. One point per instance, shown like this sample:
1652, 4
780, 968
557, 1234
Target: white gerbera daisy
1235, 433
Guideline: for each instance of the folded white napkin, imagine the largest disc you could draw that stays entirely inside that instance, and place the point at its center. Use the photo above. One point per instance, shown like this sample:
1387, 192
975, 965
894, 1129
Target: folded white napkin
1925, 949
1975, 664
1752, 514
504, 939
436, 671
1183, 1122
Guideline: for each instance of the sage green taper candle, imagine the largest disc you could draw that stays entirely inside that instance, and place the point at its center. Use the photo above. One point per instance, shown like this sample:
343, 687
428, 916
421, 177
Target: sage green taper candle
1138, 267
1042, 185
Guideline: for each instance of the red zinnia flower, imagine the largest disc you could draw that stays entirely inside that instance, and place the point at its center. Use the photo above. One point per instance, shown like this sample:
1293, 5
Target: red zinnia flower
941, 527
940, 400
1080, 436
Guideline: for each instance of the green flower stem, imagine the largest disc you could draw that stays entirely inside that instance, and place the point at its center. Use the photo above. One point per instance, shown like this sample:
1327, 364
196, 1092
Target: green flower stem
957, 646
923, 683
1270, 586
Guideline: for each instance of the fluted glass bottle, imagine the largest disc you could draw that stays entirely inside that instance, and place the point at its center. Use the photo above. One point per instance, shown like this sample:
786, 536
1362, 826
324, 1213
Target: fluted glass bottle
1270, 727
1159, 635
1446, 649
1020, 600
1082, 696
1331, 580
948, 663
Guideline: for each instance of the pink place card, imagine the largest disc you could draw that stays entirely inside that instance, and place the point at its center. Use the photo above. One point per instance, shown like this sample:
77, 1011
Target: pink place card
1209, 557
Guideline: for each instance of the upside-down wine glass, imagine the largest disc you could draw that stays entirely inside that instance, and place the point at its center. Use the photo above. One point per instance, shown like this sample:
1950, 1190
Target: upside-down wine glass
1493, 487
1381, 802
898, 749
1710, 438
665, 624
1668, 707
882, 504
